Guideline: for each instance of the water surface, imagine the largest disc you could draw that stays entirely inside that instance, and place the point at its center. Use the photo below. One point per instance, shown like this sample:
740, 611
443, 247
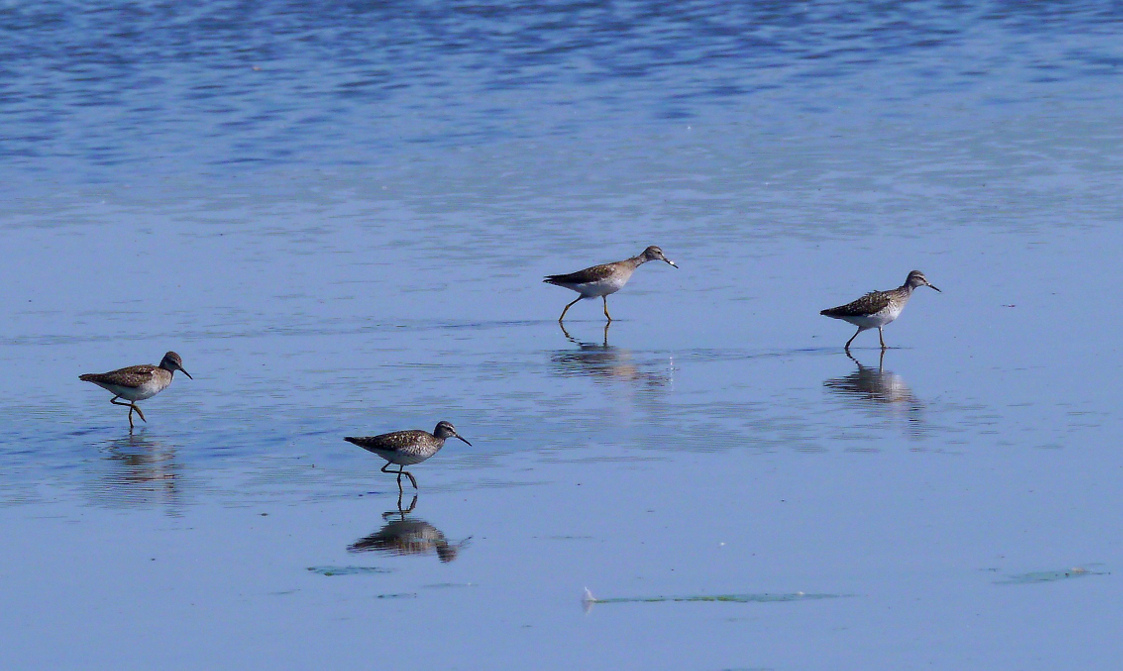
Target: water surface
340, 217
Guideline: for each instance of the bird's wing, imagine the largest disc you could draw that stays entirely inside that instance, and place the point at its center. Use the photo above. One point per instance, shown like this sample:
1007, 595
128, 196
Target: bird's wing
871, 303
133, 376
591, 274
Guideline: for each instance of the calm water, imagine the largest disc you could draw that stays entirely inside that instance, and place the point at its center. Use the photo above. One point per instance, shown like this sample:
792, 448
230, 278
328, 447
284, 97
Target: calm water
339, 216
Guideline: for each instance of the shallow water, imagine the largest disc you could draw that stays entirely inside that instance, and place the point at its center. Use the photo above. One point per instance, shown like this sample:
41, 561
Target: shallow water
340, 221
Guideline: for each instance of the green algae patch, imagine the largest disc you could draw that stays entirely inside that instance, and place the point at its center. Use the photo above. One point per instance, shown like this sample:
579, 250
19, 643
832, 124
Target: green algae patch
348, 570
1049, 576
761, 597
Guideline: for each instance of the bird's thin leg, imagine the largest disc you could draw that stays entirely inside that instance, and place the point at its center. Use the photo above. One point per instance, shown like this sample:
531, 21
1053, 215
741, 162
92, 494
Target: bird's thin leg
567, 308
130, 405
881, 337
399, 473
137, 408
402, 471
847, 346
605, 299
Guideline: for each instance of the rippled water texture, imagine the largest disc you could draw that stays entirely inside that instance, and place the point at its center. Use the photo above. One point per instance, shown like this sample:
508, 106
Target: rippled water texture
340, 215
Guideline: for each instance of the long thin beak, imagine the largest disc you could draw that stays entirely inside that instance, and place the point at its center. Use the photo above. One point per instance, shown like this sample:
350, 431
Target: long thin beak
673, 264
464, 439
186, 373
934, 287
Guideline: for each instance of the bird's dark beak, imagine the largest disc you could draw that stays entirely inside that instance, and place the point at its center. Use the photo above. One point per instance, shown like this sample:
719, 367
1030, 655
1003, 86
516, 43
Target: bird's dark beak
464, 439
186, 373
673, 264
934, 287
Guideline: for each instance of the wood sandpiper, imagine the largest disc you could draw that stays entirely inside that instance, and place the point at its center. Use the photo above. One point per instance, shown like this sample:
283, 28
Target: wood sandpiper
878, 308
605, 279
137, 383
406, 448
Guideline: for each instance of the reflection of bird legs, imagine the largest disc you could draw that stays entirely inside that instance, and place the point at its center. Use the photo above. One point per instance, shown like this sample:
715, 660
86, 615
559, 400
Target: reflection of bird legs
880, 361
401, 471
577, 342
387, 515
569, 306
132, 406
566, 333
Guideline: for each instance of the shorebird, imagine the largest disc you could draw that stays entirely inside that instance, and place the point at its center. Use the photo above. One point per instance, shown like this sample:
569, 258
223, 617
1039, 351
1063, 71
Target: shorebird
137, 383
406, 448
605, 279
878, 308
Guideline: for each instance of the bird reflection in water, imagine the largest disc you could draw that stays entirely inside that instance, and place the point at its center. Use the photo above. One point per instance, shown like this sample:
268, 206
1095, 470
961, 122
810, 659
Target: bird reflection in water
605, 362
881, 391
140, 472
408, 536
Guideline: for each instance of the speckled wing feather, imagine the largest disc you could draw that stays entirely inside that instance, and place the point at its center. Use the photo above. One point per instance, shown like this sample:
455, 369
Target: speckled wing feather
388, 441
585, 276
133, 376
871, 303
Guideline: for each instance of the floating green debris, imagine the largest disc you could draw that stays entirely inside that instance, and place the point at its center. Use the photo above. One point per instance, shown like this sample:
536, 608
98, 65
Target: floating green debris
449, 585
348, 570
763, 597
1048, 576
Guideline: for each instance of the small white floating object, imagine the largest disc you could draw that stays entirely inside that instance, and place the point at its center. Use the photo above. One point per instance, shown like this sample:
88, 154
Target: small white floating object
588, 600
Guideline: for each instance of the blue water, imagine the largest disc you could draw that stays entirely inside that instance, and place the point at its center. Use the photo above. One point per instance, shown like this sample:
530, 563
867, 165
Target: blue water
339, 215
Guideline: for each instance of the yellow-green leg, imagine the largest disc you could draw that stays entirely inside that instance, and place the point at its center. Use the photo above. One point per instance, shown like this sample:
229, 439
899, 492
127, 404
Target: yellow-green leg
400, 472
567, 308
132, 406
